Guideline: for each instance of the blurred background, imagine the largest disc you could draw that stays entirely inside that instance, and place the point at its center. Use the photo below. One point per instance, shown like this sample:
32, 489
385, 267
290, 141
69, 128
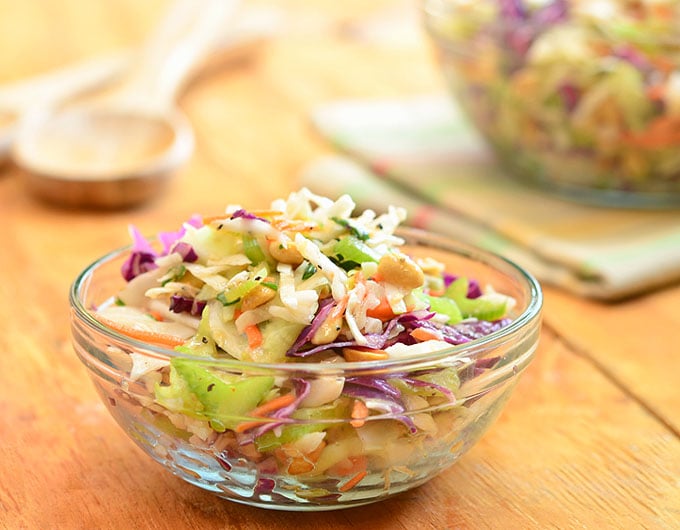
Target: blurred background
40, 35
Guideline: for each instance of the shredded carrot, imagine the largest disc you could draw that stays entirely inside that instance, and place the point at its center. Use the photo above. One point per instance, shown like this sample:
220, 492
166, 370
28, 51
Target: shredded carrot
157, 316
247, 425
349, 466
305, 462
154, 337
353, 481
656, 92
261, 411
212, 218
254, 336
661, 11
425, 334
292, 225
359, 413
273, 404
383, 311
339, 309
664, 131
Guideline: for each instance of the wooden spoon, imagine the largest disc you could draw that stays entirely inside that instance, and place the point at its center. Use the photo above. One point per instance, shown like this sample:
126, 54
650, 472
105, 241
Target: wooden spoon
119, 151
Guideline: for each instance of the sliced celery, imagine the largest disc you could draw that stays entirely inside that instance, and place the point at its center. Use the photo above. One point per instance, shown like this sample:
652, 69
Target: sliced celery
201, 343
486, 307
351, 249
224, 404
252, 249
445, 306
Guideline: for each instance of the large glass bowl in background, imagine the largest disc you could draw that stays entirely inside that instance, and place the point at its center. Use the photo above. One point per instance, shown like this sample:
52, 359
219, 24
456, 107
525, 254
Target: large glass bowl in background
578, 97
394, 458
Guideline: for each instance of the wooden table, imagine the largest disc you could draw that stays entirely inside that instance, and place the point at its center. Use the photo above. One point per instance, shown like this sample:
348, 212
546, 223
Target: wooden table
590, 439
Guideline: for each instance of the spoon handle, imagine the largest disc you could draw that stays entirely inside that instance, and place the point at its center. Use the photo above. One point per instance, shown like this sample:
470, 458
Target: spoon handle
61, 84
190, 29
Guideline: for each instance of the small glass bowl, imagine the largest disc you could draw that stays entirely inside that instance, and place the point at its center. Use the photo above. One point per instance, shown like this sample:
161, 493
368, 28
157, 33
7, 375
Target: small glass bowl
578, 98
359, 463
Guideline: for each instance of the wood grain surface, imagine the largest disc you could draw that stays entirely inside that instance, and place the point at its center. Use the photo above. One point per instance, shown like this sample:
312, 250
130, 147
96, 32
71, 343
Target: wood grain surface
590, 438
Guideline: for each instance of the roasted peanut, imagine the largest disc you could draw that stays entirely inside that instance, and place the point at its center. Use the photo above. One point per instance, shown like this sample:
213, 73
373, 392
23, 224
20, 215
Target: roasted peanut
401, 271
328, 331
323, 390
354, 355
430, 266
257, 296
285, 253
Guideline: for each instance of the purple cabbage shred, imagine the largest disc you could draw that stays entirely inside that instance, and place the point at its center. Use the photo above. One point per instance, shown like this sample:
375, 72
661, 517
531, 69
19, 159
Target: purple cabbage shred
301, 388
184, 304
244, 214
186, 251
138, 263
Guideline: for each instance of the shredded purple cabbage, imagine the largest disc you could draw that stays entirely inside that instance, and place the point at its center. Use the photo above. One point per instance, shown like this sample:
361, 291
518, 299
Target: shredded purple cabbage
428, 384
168, 239
512, 9
301, 389
325, 307
141, 258
186, 251
474, 290
138, 263
375, 341
520, 25
381, 401
243, 214
480, 328
185, 304
143, 255
376, 383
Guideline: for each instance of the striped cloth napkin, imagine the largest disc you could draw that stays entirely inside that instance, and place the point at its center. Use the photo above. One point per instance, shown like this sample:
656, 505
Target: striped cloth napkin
421, 154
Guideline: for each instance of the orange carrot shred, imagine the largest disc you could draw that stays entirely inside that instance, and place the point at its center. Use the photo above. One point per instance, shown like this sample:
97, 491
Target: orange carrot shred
254, 336
339, 309
423, 334
353, 481
349, 466
157, 316
261, 411
383, 311
154, 337
247, 425
273, 404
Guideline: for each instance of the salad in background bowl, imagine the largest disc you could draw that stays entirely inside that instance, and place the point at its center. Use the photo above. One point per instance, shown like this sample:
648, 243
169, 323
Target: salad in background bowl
304, 357
579, 97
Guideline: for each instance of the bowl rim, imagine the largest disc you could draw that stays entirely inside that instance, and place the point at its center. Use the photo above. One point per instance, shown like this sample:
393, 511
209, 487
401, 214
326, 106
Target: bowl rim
460, 352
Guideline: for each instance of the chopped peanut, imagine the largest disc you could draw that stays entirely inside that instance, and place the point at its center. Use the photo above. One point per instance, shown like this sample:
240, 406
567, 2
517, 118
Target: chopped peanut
355, 355
296, 461
257, 296
328, 331
285, 253
401, 271
430, 266
359, 414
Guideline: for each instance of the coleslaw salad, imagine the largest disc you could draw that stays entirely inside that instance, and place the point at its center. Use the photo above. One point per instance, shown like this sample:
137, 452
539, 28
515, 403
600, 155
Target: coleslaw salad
305, 281
575, 94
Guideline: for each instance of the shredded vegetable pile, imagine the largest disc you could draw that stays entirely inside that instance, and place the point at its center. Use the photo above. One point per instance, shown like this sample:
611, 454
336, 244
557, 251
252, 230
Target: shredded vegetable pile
582, 92
304, 281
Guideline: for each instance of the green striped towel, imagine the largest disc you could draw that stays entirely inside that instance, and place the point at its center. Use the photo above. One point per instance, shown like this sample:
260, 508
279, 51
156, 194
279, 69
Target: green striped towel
421, 154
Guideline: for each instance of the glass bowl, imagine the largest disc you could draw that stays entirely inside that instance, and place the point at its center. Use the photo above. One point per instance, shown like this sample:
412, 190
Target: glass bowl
579, 98
360, 460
